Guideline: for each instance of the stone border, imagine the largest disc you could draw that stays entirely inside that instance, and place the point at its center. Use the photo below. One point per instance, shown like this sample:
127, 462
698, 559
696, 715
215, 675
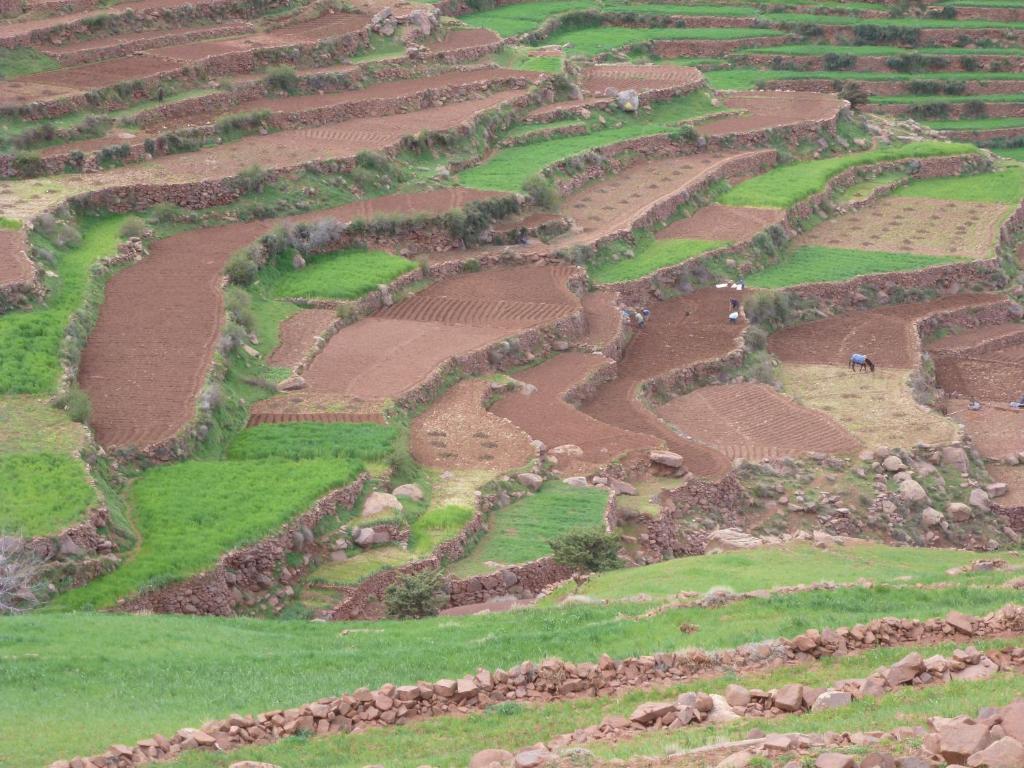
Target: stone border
242, 573
550, 680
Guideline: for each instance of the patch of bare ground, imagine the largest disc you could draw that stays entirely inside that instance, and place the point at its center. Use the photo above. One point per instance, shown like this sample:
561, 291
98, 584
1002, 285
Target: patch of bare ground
545, 415
777, 109
723, 222
915, 225
984, 363
995, 430
886, 334
603, 318
458, 39
641, 77
298, 333
753, 421
877, 408
457, 432
15, 266
388, 354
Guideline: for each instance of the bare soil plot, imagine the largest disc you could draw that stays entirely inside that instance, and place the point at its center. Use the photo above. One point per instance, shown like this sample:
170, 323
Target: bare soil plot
681, 331
458, 39
16, 93
993, 377
15, 266
885, 334
1002, 334
614, 202
730, 223
388, 354
775, 109
151, 348
101, 74
877, 408
298, 333
603, 317
995, 430
139, 41
915, 225
456, 432
1014, 479
753, 421
641, 77
546, 416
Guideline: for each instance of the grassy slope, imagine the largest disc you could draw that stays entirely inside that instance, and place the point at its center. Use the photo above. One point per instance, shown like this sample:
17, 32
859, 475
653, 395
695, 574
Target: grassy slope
520, 532
43, 493
591, 42
789, 184
508, 169
346, 274
660, 253
191, 513
979, 124
1001, 186
76, 662
881, 50
821, 264
17, 62
309, 440
31, 340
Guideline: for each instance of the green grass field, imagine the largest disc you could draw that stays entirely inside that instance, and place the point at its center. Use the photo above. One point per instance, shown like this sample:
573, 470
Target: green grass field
520, 532
309, 440
518, 18
436, 525
1013, 153
743, 79
31, 340
76, 662
880, 50
787, 185
18, 62
346, 274
979, 124
651, 258
43, 493
1002, 186
597, 40
507, 169
191, 513
818, 264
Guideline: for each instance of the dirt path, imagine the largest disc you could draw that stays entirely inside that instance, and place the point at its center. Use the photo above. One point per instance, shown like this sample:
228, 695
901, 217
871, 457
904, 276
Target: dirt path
456, 432
682, 331
885, 334
753, 421
15, 266
298, 333
603, 318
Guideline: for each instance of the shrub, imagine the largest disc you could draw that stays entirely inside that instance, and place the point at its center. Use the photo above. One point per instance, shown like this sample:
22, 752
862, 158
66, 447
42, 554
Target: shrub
76, 403
133, 227
415, 595
246, 122
542, 192
769, 310
839, 61
251, 180
854, 93
587, 550
241, 269
238, 305
282, 78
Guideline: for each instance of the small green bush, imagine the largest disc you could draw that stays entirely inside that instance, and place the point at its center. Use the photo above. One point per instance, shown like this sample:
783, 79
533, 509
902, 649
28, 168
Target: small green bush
76, 404
241, 269
415, 596
587, 550
542, 192
283, 79
133, 226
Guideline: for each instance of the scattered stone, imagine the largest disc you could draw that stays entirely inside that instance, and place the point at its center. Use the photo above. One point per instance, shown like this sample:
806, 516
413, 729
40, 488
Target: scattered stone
410, 491
667, 458
958, 512
834, 760
531, 480
913, 491
378, 502
485, 757
979, 499
292, 384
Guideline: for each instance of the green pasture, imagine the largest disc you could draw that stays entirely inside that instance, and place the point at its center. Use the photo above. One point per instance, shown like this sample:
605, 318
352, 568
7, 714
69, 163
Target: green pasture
346, 274
593, 41
1001, 186
819, 264
648, 259
43, 493
976, 124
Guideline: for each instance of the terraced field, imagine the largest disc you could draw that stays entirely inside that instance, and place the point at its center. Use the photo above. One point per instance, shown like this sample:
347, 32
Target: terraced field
349, 346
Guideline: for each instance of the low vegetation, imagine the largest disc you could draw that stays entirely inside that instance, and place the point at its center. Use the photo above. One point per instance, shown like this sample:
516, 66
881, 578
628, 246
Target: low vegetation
43, 493
346, 274
649, 259
821, 264
310, 440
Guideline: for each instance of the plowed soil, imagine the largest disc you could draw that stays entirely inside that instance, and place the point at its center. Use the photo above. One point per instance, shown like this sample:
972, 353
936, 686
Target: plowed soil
298, 333
387, 355
681, 331
995, 430
1014, 479
1003, 334
886, 334
104, 73
915, 225
723, 222
15, 266
640, 77
458, 39
753, 421
603, 318
149, 352
456, 432
984, 363
546, 416
776, 109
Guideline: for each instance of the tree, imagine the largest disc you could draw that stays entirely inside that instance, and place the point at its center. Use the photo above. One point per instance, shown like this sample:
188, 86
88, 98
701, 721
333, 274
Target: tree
20, 570
587, 550
416, 595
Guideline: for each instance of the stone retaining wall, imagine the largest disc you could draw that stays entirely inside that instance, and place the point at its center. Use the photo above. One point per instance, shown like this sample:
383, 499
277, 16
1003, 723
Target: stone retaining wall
670, 49
118, 48
551, 680
519, 581
891, 87
245, 576
775, 61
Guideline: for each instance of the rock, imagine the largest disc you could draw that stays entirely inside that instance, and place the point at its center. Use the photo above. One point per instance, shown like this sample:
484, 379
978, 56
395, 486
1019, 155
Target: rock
913, 491
737, 760
378, 502
737, 695
983, 670
955, 456
1013, 720
647, 713
531, 480
297, 261
531, 758
834, 760
778, 742
960, 622
878, 760
931, 517
365, 538
961, 738
720, 712
667, 459
622, 487
979, 499
905, 670
727, 539
628, 101
958, 512
831, 700
790, 698
567, 450
577, 482
485, 757
251, 351
292, 384
68, 547
252, 764
409, 490
1005, 753
995, 490
893, 464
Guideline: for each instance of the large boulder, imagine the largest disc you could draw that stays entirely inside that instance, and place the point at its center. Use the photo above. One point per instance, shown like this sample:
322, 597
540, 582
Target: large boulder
647, 714
958, 512
790, 698
531, 480
727, 539
628, 101
832, 700
960, 738
487, 757
1005, 753
893, 464
955, 456
667, 459
905, 670
931, 517
292, 384
912, 491
409, 491
379, 502
979, 499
